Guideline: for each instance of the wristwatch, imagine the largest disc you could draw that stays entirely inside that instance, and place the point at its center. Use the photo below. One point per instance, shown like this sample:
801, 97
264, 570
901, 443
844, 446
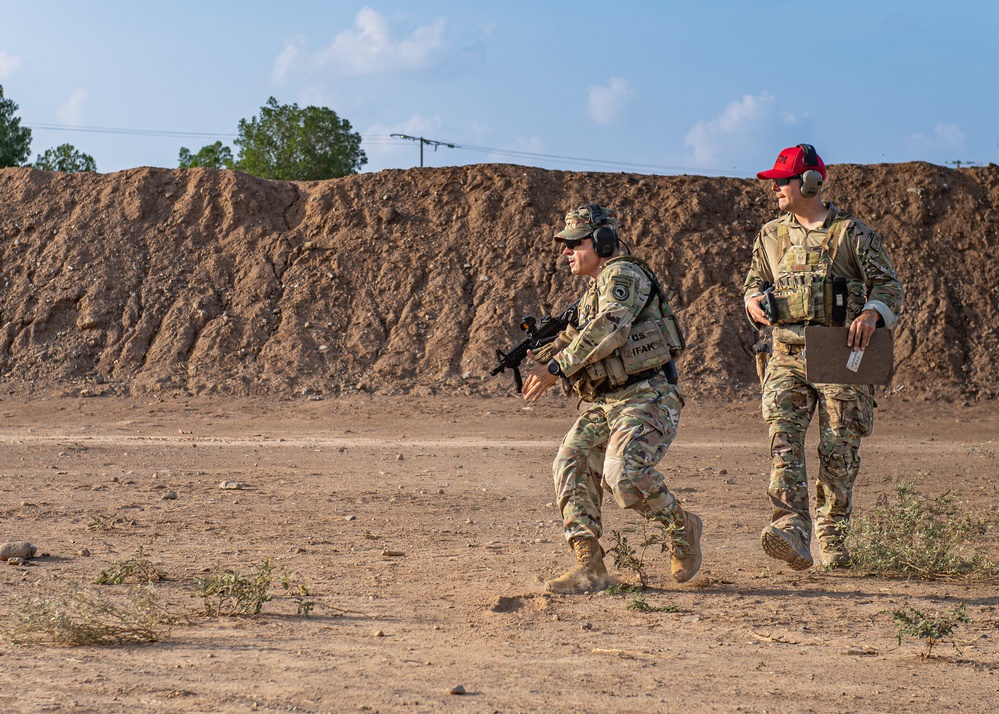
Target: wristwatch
554, 369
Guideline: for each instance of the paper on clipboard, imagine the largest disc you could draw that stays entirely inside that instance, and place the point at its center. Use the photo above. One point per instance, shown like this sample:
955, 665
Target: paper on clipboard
828, 360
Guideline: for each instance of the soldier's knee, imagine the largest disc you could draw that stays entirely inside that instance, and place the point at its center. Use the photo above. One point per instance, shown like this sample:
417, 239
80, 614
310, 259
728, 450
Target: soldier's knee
568, 459
619, 484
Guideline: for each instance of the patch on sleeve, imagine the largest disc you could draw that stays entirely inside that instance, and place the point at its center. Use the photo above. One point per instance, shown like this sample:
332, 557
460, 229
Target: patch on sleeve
875, 243
622, 287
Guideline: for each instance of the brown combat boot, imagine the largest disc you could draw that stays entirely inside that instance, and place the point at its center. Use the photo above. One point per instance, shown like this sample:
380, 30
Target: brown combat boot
589, 575
686, 547
834, 553
786, 545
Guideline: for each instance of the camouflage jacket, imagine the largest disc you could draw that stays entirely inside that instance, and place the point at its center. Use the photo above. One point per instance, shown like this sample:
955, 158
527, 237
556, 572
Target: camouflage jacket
607, 310
859, 254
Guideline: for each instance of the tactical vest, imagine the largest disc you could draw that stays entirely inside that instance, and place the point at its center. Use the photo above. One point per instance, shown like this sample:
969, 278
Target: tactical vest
654, 339
805, 291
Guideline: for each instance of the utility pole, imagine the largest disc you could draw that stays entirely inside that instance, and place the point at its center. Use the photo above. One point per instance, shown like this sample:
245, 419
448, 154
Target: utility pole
423, 141
959, 164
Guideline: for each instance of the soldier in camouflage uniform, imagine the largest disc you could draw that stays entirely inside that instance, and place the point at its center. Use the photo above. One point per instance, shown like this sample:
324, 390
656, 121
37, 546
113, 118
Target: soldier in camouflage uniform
814, 265
618, 358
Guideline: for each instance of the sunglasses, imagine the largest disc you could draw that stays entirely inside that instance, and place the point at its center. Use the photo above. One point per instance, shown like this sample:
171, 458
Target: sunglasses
785, 181
573, 244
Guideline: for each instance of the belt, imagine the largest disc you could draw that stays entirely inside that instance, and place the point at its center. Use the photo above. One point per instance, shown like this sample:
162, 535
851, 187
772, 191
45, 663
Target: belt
788, 349
668, 369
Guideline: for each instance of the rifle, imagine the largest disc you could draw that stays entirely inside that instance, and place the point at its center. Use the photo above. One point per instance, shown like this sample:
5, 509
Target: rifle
540, 334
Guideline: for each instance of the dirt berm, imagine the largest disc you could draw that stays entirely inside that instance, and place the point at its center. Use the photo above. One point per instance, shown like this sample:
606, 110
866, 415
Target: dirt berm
213, 282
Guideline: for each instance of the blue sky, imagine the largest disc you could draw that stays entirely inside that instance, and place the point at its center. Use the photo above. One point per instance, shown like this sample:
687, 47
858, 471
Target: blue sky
715, 87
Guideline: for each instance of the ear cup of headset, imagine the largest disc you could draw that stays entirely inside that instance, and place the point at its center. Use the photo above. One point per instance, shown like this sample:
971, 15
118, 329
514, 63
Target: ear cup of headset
604, 241
811, 182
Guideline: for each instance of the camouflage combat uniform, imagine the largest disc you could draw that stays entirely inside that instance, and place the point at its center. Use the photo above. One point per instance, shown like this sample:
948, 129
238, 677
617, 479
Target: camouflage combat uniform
846, 412
616, 443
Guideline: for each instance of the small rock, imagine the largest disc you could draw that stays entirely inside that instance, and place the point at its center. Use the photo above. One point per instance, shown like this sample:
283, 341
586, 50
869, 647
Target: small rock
17, 549
170, 496
83, 552
350, 518
378, 633
231, 485
393, 553
457, 689
400, 457
17, 561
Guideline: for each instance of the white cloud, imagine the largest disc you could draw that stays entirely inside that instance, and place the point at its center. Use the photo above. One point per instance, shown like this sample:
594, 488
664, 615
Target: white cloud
945, 137
747, 133
287, 58
375, 46
71, 112
8, 65
606, 104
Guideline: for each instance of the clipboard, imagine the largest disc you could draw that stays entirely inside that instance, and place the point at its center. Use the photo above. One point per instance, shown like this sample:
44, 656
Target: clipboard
827, 357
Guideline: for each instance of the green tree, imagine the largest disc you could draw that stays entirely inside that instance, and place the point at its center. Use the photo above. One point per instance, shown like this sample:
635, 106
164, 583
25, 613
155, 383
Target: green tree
288, 143
15, 140
65, 158
215, 156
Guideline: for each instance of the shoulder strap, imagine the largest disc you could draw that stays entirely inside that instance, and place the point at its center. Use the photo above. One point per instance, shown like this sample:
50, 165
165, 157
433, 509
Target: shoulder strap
837, 229
783, 240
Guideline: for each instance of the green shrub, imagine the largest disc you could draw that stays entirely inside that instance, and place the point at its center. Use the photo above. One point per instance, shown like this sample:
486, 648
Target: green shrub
933, 628
78, 616
134, 570
228, 592
920, 537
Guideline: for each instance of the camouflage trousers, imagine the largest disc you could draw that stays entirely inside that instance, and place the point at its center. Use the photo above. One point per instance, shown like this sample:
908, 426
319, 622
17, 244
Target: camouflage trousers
616, 444
846, 413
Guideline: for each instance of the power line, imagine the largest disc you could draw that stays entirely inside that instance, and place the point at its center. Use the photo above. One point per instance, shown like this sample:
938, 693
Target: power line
394, 139
129, 132
428, 142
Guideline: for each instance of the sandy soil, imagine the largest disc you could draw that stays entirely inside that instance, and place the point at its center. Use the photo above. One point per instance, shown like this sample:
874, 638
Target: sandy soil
461, 488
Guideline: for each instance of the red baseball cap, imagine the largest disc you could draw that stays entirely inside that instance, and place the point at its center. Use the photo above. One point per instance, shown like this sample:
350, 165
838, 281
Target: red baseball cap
791, 162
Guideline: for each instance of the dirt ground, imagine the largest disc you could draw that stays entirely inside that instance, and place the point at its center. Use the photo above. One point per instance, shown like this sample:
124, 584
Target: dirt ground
459, 488
328, 344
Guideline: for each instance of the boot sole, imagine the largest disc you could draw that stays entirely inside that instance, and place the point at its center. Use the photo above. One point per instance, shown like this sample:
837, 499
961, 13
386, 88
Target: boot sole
778, 546
700, 555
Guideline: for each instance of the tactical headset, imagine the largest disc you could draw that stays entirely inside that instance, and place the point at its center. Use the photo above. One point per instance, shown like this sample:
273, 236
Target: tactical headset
811, 180
604, 237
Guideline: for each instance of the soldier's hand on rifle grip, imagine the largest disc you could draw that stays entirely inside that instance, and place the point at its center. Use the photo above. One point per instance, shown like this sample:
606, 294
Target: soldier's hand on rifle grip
538, 380
755, 308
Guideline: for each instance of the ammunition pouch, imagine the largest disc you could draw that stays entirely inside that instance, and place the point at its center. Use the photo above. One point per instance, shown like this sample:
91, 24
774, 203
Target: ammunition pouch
817, 300
648, 349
